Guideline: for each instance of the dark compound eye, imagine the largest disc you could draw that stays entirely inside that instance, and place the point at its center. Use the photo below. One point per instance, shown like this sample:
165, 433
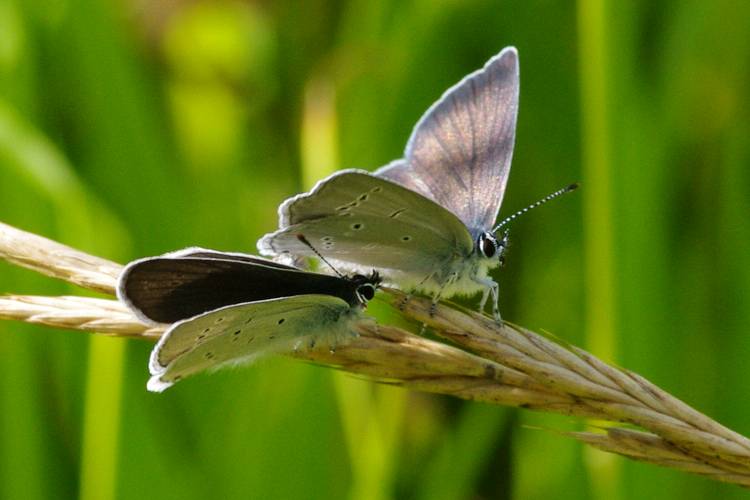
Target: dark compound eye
487, 245
367, 292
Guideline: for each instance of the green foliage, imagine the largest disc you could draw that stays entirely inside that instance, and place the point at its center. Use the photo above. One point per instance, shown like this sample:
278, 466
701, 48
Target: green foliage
134, 128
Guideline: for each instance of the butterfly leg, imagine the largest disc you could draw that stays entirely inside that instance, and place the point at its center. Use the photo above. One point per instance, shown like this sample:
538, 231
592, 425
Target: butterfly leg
485, 296
436, 297
402, 303
404, 300
490, 288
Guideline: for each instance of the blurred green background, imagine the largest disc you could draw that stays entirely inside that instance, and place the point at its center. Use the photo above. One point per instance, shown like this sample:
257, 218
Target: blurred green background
130, 128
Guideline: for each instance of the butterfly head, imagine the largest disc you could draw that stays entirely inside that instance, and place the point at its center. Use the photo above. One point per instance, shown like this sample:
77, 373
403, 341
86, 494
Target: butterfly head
366, 286
489, 246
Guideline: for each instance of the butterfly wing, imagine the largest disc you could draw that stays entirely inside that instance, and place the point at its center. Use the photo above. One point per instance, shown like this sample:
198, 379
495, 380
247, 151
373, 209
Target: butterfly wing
243, 332
193, 281
205, 253
355, 217
460, 151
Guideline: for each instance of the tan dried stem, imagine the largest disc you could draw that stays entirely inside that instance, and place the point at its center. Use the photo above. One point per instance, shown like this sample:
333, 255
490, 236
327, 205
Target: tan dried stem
506, 365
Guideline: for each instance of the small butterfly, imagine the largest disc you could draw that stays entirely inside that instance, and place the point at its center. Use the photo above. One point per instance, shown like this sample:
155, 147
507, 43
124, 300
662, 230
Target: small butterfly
229, 308
425, 221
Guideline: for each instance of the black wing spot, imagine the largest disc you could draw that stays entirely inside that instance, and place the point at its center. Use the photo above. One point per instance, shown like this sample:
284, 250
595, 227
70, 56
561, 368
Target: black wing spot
237, 332
406, 238
397, 213
205, 331
219, 319
326, 239
248, 320
363, 197
250, 339
271, 337
201, 337
376, 189
281, 321
357, 226
209, 355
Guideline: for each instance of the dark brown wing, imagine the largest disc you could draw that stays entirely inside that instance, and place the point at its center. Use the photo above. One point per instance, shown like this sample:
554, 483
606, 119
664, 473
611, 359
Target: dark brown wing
172, 288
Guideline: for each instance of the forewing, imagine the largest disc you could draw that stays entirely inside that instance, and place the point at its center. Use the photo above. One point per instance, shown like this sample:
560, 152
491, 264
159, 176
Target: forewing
205, 253
353, 216
243, 332
460, 151
182, 285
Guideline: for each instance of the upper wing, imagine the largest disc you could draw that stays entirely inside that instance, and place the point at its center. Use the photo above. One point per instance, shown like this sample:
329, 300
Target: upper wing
205, 253
460, 151
355, 217
243, 332
181, 285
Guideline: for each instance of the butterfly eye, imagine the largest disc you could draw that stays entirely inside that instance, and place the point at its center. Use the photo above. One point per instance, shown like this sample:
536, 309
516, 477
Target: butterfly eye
367, 292
487, 245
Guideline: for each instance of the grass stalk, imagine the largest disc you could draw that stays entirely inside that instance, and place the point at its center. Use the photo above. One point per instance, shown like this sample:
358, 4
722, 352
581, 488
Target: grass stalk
491, 363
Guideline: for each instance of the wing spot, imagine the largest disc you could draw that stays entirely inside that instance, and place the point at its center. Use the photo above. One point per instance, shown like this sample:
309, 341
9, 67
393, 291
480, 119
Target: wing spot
345, 214
219, 319
281, 321
248, 320
406, 238
209, 355
271, 337
250, 339
376, 189
357, 226
237, 332
326, 239
363, 197
397, 213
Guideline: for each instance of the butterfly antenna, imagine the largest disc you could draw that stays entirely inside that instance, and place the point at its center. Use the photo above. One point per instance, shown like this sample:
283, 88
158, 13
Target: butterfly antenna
305, 241
559, 192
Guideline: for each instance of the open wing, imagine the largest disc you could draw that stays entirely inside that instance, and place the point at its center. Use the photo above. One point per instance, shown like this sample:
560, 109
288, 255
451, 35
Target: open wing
355, 217
243, 332
184, 284
460, 151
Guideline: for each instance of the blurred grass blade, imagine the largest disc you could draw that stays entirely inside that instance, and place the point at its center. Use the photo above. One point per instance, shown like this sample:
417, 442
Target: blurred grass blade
599, 256
102, 418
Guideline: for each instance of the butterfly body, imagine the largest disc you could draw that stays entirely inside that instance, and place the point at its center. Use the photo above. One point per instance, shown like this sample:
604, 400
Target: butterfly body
228, 309
425, 221
361, 221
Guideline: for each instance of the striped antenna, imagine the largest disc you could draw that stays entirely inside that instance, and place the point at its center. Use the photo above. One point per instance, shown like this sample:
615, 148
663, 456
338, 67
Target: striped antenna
305, 241
510, 218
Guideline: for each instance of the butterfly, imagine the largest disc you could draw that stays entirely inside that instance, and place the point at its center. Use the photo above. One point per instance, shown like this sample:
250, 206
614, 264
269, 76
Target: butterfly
230, 308
425, 221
